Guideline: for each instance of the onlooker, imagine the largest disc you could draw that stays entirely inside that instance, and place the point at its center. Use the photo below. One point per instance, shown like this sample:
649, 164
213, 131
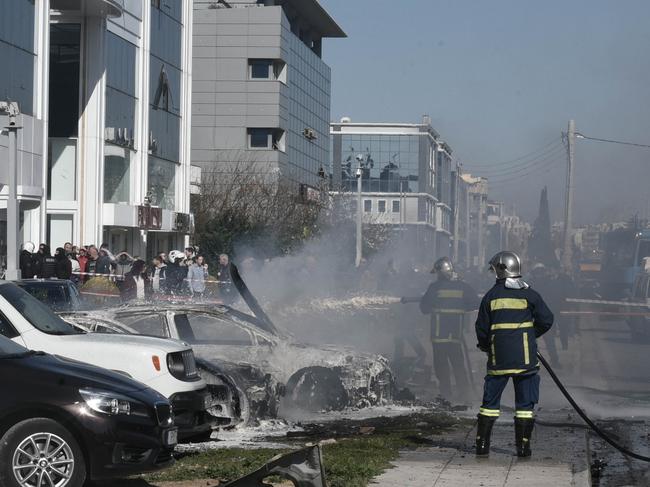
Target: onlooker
136, 283
123, 263
175, 273
91, 263
27, 261
157, 273
67, 247
63, 264
197, 273
82, 258
104, 261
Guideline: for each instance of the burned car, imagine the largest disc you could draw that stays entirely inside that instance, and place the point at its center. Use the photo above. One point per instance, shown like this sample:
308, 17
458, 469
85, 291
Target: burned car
316, 377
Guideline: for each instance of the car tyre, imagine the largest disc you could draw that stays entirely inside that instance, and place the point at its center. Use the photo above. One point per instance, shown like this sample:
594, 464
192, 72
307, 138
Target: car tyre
18, 449
315, 389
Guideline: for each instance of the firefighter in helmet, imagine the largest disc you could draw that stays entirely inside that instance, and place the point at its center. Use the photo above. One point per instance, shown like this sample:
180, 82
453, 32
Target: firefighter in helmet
510, 319
447, 300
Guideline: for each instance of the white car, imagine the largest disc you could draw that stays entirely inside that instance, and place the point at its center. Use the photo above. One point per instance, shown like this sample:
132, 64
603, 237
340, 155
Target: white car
167, 366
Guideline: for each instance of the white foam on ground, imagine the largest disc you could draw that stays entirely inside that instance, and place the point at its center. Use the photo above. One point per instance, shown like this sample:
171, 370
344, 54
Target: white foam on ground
269, 433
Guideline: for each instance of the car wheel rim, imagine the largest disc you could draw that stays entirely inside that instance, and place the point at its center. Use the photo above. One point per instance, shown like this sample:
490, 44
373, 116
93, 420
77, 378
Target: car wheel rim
43, 460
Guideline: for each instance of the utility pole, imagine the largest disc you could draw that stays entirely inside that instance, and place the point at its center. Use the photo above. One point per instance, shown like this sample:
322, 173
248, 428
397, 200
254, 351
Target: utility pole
357, 261
13, 222
568, 210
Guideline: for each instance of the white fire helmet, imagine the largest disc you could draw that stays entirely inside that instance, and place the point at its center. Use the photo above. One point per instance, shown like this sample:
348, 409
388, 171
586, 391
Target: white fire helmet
176, 254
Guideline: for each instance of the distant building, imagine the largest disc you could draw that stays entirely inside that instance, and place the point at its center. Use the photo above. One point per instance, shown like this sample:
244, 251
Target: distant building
104, 88
406, 178
478, 218
261, 90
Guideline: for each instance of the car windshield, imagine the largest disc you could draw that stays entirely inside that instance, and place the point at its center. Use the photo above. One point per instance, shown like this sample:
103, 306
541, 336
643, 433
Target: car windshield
9, 347
37, 313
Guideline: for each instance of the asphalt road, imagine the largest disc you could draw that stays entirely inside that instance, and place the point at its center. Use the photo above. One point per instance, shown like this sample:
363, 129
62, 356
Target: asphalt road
608, 373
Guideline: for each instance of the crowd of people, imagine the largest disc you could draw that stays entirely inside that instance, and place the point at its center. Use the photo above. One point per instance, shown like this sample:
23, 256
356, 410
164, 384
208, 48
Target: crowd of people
177, 273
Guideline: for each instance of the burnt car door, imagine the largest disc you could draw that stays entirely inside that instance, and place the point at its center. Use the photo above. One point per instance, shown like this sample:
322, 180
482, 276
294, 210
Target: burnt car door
214, 337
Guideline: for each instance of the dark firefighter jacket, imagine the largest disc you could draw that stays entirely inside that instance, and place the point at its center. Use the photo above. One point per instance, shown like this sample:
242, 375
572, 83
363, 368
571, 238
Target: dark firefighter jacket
508, 323
447, 302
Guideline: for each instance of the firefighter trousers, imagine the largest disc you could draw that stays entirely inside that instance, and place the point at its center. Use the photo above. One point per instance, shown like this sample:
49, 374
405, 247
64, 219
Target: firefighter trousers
526, 394
448, 355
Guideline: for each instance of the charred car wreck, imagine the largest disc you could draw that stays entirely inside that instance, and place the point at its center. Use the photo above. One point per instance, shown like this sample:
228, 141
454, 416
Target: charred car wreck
256, 368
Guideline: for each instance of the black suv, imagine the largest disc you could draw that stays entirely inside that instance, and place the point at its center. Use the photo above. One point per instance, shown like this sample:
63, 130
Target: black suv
63, 421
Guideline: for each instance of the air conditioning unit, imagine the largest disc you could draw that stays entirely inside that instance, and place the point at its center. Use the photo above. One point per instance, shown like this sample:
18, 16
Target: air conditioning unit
309, 133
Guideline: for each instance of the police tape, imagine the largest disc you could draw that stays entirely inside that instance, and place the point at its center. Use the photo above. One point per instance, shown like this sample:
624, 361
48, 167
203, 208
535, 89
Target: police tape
606, 302
120, 277
604, 313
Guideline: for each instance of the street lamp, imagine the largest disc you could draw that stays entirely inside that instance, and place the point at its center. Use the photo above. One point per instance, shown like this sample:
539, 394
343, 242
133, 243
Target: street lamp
13, 269
359, 173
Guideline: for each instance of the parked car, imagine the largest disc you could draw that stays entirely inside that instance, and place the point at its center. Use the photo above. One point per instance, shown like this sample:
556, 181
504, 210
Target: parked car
315, 377
62, 421
58, 294
167, 366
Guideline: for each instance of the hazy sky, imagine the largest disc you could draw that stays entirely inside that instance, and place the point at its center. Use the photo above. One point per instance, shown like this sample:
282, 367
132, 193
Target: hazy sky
500, 79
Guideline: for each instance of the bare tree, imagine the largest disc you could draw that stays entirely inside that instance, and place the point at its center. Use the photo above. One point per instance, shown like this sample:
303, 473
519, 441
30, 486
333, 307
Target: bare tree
246, 203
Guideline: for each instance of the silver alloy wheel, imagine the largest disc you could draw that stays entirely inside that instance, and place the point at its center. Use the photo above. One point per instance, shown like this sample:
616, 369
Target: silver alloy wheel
43, 460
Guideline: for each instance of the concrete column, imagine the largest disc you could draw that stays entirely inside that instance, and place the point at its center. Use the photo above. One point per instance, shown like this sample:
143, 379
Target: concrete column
91, 131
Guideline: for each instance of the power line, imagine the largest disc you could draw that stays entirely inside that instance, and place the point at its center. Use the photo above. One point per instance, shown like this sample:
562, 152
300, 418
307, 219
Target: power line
516, 169
536, 152
545, 169
610, 141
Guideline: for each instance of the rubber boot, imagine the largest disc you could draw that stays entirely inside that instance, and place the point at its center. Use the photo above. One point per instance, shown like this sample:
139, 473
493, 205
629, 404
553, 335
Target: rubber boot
523, 433
483, 434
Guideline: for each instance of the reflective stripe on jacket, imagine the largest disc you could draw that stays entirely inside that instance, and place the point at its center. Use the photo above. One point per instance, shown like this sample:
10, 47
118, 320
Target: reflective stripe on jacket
447, 302
508, 323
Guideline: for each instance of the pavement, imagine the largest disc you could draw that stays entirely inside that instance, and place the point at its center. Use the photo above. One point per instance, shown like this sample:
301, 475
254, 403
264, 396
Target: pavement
559, 459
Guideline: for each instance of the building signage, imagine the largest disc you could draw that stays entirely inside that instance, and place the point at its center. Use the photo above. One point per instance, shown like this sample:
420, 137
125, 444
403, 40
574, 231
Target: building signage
149, 218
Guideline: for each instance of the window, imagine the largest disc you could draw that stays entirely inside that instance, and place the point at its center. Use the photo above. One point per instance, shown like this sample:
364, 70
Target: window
146, 325
65, 56
211, 329
367, 206
267, 69
381, 206
395, 206
162, 182
38, 314
259, 138
263, 138
6, 329
260, 68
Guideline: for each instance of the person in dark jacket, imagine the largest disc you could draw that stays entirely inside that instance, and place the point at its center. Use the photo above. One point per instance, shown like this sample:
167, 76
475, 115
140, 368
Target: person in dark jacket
175, 273
447, 300
63, 264
27, 261
46, 264
136, 285
510, 319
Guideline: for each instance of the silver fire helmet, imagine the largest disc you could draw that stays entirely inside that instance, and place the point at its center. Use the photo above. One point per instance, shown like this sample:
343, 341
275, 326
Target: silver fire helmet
444, 267
506, 264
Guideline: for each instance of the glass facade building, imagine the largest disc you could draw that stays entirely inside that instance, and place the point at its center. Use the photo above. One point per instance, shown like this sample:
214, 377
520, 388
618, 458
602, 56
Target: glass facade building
112, 79
392, 163
406, 180
17, 53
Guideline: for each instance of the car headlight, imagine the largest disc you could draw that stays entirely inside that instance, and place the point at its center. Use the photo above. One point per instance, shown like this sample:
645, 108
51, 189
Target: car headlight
112, 403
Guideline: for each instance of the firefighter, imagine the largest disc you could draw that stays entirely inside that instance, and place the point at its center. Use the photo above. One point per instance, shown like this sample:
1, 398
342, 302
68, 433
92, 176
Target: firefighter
510, 319
447, 300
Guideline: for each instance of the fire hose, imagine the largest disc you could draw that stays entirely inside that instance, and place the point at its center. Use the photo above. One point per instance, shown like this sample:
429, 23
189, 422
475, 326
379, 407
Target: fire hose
586, 418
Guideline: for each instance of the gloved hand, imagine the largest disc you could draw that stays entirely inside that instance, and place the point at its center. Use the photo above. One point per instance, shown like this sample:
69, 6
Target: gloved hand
482, 349
402, 300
